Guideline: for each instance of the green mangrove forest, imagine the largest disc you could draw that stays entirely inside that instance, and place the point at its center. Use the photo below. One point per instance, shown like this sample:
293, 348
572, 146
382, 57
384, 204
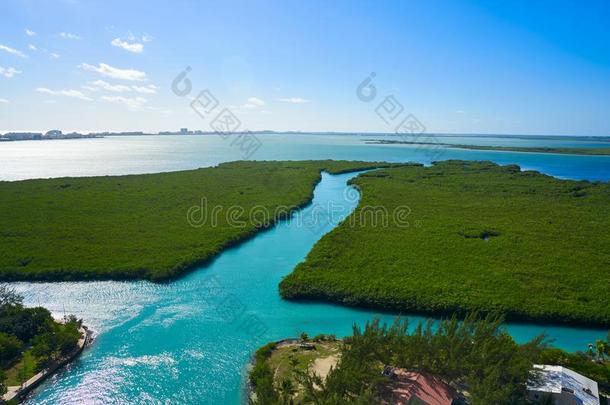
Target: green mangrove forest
150, 226
530, 149
471, 236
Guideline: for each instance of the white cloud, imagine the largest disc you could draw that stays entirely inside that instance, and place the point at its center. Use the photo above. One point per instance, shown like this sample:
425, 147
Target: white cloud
29, 32
147, 38
119, 88
3, 101
134, 47
115, 73
52, 55
66, 93
251, 103
9, 72
294, 100
115, 88
150, 89
13, 51
256, 102
132, 103
32, 47
67, 35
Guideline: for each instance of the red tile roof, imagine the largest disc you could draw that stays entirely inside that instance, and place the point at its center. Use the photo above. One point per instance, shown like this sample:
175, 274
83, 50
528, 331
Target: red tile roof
408, 385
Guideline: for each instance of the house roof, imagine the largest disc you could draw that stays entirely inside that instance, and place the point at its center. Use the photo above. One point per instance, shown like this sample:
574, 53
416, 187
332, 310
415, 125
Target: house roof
557, 379
427, 388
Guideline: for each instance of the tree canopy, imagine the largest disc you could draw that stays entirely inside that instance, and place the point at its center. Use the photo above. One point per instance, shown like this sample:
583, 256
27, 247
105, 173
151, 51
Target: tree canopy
31, 332
475, 353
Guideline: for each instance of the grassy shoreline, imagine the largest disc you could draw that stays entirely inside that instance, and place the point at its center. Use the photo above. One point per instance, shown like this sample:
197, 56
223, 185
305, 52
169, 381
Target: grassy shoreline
492, 239
561, 151
136, 226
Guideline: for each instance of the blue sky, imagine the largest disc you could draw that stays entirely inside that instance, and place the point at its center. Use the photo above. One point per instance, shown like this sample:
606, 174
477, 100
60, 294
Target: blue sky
458, 66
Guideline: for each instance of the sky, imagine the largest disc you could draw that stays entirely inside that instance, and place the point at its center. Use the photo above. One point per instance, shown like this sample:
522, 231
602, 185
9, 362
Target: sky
510, 67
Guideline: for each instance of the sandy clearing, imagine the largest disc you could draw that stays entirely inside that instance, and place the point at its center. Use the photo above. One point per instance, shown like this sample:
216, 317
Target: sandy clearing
322, 366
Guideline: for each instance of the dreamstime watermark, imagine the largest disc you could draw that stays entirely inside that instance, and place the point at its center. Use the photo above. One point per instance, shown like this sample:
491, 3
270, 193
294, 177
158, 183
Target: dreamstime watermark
231, 309
315, 218
405, 125
224, 123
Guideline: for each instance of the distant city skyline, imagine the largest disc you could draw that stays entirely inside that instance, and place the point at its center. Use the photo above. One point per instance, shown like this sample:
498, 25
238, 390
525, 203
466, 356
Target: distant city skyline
459, 67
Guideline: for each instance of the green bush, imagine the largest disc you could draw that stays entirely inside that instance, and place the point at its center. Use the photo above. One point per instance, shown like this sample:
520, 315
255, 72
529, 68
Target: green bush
34, 330
25, 323
261, 376
10, 348
59, 341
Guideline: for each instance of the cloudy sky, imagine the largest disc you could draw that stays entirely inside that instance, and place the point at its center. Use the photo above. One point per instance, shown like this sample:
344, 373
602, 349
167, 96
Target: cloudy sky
458, 66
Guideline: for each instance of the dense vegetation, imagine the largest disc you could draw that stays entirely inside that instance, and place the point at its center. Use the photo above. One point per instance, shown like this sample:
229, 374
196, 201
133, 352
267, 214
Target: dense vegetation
562, 151
136, 226
480, 237
476, 356
261, 376
30, 339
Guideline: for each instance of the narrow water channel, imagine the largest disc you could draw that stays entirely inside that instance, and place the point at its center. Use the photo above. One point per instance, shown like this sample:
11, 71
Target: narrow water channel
189, 341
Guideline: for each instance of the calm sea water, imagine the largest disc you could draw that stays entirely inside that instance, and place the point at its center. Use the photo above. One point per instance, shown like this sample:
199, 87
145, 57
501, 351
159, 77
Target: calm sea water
189, 341
149, 154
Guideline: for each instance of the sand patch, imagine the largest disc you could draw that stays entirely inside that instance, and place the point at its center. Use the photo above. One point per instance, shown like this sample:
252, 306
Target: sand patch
322, 366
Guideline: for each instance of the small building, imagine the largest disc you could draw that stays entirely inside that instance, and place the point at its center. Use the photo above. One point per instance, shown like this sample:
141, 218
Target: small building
411, 387
184, 131
53, 134
565, 386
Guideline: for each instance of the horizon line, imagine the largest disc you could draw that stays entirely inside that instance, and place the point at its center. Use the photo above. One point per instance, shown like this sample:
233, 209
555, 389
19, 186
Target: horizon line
270, 131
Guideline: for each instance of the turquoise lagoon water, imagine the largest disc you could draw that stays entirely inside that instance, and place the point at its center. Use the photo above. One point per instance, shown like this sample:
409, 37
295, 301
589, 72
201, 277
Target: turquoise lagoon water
189, 341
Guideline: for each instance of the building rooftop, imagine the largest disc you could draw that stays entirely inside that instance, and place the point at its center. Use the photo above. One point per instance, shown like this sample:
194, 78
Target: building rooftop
408, 386
558, 379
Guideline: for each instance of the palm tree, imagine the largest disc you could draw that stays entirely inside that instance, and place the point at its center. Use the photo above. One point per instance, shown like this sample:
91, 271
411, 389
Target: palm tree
601, 348
590, 351
287, 390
